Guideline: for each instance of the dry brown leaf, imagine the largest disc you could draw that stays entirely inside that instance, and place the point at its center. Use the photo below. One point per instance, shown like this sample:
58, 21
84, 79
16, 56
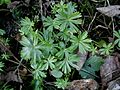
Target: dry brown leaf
110, 11
84, 84
2, 77
82, 60
110, 70
11, 76
114, 85
12, 5
23, 72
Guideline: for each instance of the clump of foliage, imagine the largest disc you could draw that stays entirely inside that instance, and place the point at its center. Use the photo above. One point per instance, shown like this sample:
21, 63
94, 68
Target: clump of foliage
53, 50
48, 50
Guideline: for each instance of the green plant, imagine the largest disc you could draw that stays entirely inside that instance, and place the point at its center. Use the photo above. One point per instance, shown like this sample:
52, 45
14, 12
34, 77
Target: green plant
5, 1
81, 42
5, 56
26, 26
1, 66
38, 71
93, 49
117, 34
47, 43
53, 48
7, 88
31, 49
44, 54
58, 7
61, 83
67, 63
65, 18
2, 32
49, 62
50, 23
68, 18
106, 49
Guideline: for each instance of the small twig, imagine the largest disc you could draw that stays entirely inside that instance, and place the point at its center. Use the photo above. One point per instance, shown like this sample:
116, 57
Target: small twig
4, 10
9, 51
113, 23
48, 83
41, 7
111, 18
4, 85
13, 61
19, 65
104, 20
87, 10
16, 23
108, 2
92, 21
107, 27
100, 27
18, 62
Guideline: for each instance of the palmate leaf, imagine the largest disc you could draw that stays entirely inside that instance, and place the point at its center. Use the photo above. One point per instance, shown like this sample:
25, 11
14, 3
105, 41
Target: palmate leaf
1, 66
48, 47
49, 63
47, 43
117, 41
62, 83
25, 53
106, 49
68, 63
25, 41
81, 42
58, 7
38, 74
2, 32
64, 35
5, 56
91, 66
31, 48
93, 49
50, 23
38, 71
26, 26
117, 34
68, 18
63, 52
